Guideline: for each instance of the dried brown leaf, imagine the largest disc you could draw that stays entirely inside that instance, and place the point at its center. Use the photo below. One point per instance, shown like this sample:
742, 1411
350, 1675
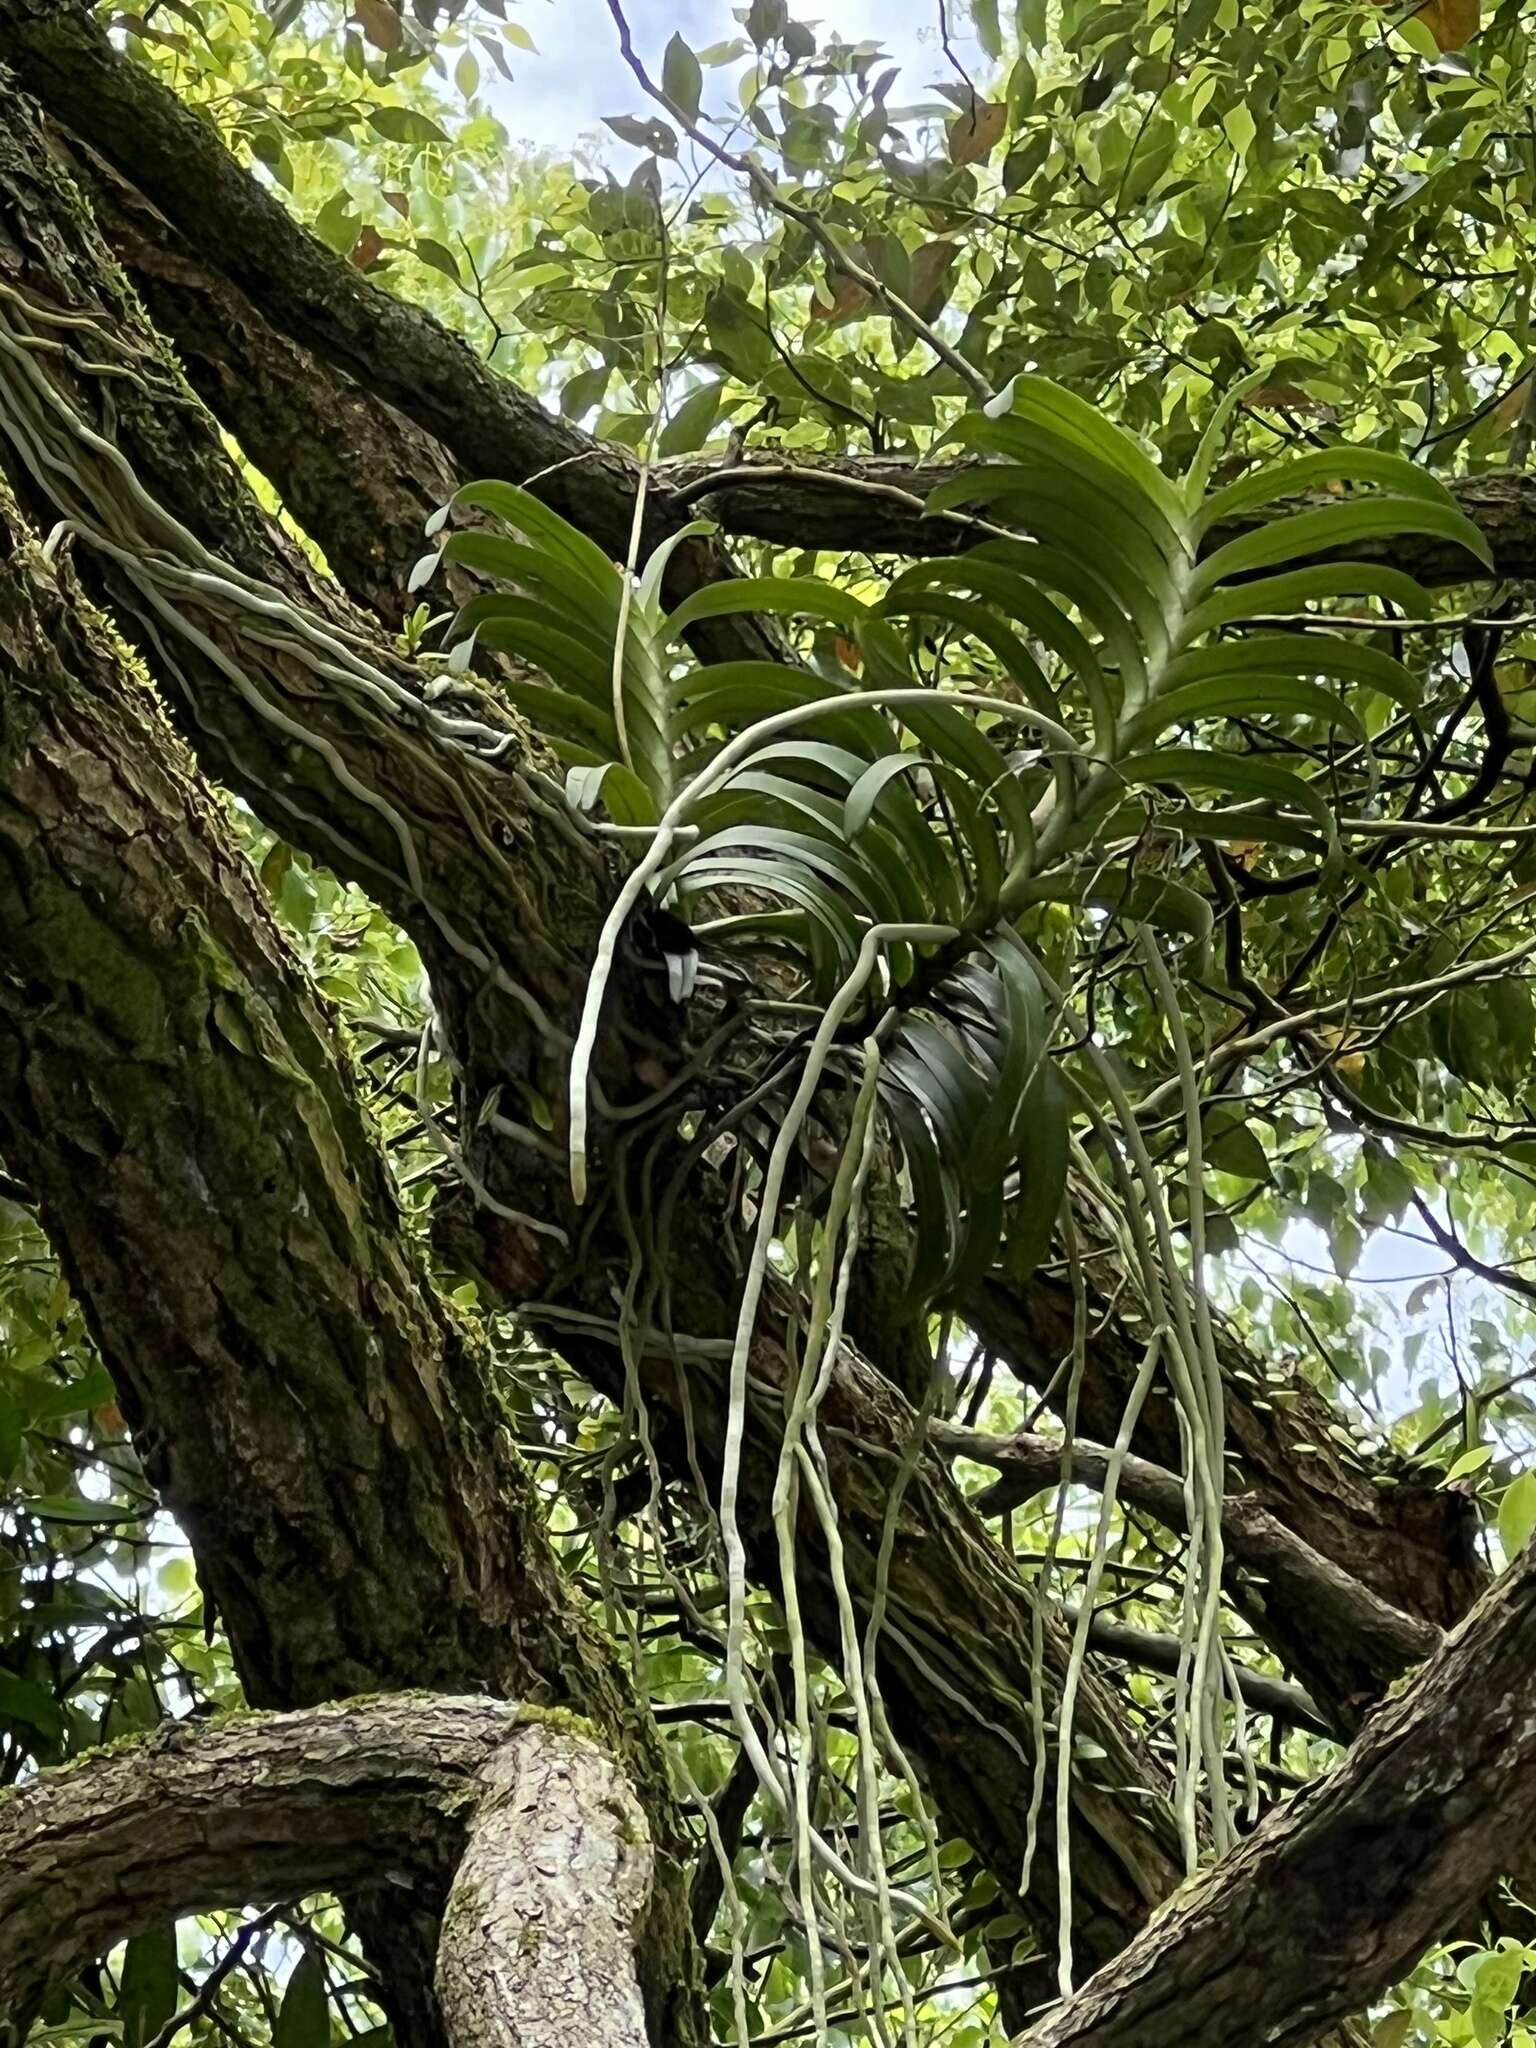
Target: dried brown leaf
1452, 23
975, 133
848, 301
379, 22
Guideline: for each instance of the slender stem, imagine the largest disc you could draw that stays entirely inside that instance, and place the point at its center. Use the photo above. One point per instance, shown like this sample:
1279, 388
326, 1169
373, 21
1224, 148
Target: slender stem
803, 217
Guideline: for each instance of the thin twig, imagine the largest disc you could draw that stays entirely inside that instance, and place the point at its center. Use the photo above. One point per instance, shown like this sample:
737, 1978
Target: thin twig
802, 216
208, 1990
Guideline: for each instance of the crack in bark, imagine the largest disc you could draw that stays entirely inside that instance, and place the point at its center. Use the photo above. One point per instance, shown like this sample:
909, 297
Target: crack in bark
1408, 1554
187, 1117
524, 1818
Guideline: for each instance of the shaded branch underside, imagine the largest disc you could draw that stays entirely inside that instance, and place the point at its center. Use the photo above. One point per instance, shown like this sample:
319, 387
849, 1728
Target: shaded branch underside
284, 341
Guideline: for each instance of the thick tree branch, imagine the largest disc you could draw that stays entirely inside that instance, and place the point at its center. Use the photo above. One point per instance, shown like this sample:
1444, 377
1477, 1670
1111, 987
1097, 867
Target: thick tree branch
396, 353
233, 1811
387, 347
187, 1119
525, 1818
1342, 1889
548, 1903
392, 349
958, 1700
874, 504
344, 462
1365, 1642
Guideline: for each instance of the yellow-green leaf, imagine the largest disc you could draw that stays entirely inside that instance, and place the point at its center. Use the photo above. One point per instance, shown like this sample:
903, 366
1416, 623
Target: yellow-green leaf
1517, 1514
1239, 127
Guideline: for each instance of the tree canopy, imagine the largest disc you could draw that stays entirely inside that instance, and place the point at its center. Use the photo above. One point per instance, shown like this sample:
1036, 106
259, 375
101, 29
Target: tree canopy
766, 1037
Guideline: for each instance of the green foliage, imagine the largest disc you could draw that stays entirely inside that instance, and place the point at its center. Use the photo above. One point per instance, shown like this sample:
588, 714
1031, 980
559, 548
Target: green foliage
899, 799
148, 1986
1150, 202
303, 2018
1146, 200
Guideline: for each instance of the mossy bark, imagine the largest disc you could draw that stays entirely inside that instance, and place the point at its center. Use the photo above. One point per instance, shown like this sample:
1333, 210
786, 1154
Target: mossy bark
238, 1810
184, 1110
547, 1850
538, 909
966, 1717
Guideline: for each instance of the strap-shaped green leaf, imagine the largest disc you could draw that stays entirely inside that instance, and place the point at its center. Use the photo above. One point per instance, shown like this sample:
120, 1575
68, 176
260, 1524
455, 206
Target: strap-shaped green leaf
981, 623
1338, 526
586, 605
1039, 400
567, 622
530, 516
782, 596
839, 769
1187, 768
798, 885
1251, 697
1062, 511
1157, 512
1262, 655
1346, 463
870, 889
1298, 588
1079, 580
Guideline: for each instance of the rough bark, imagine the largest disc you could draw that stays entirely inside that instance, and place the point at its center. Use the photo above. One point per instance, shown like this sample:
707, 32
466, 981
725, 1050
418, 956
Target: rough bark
468, 822
962, 1705
976, 1680
390, 348
539, 1933
1340, 1891
1357, 1644
235, 1811
546, 1847
186, 1117
344, 462
1410, 1544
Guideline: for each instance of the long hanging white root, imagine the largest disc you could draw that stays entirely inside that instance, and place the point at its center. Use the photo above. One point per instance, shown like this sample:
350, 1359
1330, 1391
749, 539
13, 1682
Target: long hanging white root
1053, 1538
842, 1003
1178, 1307
1140, 1388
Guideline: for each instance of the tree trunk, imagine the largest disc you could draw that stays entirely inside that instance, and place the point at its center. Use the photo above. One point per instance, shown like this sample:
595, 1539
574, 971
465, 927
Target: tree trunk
520, 1815
958, 1697
505, 910
186, 1115
1335, 1898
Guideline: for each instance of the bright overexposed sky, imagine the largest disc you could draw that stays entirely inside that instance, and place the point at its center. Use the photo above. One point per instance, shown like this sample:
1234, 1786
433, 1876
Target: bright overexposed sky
579, 76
